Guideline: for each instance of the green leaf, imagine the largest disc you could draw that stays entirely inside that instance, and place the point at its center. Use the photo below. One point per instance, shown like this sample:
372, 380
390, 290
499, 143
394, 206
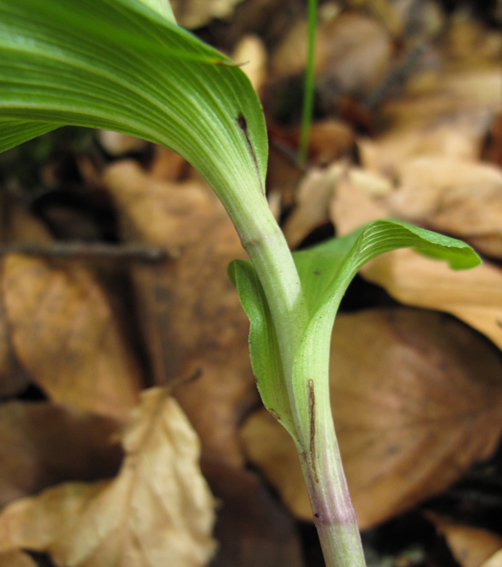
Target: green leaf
263, 347
121, 65
163, 7
327, 270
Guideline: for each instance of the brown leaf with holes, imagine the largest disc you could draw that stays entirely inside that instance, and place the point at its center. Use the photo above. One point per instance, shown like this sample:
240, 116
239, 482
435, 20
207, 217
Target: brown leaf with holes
416, 399
42, 444
157, 511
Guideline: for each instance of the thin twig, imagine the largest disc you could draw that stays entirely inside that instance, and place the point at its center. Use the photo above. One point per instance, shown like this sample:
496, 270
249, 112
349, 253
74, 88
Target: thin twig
90, 250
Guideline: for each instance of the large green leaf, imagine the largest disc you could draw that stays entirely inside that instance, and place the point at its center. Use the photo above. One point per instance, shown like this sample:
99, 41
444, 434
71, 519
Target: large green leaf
126, 66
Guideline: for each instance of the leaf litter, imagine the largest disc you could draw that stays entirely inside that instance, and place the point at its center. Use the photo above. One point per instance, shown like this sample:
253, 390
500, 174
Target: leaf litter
413, 414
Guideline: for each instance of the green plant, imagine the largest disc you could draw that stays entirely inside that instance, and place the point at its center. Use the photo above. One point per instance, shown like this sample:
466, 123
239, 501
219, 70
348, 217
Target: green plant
125, 65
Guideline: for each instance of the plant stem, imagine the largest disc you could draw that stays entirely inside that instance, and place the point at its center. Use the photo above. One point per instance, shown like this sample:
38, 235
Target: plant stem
334, 515
308, 90
268, 250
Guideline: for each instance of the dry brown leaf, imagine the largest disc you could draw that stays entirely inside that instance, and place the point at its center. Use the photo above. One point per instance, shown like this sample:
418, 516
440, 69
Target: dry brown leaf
352, 53
67, 337
42, 444
312, 208
193, 321
157, 511
251, 54
416, 400
191, 313
447, 108
253, 528
16, 559
315, 194
197, 13
117, 144
452, 196
494, 561
474, 296
470, 546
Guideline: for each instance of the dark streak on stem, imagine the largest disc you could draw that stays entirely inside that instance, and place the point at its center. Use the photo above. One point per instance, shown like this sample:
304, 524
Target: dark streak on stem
241, 122
312, 429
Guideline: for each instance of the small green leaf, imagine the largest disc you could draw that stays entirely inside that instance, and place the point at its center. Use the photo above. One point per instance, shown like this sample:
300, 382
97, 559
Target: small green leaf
327, 270
263, 347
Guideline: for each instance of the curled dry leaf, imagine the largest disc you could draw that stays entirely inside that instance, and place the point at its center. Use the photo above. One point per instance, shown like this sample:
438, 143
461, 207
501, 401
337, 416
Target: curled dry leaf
67, 337
474, 296
157, 511
416, 400
471, 547
16, 559
42, 444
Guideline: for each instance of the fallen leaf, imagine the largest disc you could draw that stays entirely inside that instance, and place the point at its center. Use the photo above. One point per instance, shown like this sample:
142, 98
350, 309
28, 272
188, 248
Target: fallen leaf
16, 559
67, 337
452, 196
42, 444
117, 144
253, 528
416, 399
352, 53
193, 321
471, 547
315, 194
251, 54
494, 561
191, 314
197, 13
474, 296
157, 511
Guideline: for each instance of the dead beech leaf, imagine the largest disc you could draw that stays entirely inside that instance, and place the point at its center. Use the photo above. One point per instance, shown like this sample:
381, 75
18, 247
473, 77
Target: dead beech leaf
252, 55
157, 511
42, 444
193, 322
315, 194
494, 561
197, 13
452, 196
352, 53
474, 296
67, 337
16, 559
190, 311
416, 399
471, 547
